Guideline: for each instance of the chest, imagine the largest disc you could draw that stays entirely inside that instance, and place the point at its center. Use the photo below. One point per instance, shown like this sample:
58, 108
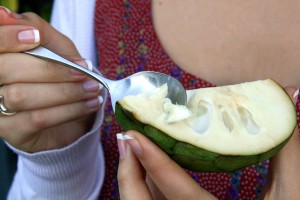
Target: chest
232, 41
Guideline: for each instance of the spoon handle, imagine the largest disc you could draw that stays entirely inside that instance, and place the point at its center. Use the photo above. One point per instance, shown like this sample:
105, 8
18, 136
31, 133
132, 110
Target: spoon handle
45, 53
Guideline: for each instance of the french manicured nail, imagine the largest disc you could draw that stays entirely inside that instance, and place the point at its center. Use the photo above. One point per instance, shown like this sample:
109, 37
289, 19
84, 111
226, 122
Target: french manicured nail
89, 65
296, 94
11, 13
93, 103
91, 85
84, 63
100, 98
134, 144
121, 145
30, 36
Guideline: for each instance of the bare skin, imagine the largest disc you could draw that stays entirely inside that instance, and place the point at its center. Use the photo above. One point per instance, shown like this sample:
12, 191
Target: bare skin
232, 41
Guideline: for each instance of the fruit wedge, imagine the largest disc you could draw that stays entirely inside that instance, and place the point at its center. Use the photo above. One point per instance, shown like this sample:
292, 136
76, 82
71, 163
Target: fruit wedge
221, 129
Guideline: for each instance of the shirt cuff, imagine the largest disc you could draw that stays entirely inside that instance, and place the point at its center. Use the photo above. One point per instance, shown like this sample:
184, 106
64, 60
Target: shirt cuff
73, 172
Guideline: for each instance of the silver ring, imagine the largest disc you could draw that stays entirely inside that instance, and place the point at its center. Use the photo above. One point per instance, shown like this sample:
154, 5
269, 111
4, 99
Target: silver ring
3, 109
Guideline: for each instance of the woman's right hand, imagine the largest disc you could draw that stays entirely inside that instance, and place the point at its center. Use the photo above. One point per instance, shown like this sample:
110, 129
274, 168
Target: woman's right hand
53, 104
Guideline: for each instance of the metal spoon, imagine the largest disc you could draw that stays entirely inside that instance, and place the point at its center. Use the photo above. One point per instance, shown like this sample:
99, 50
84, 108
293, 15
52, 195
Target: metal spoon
140, 82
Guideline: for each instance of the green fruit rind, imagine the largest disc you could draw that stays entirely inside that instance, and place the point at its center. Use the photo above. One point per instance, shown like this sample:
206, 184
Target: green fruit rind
164, 141
187, 155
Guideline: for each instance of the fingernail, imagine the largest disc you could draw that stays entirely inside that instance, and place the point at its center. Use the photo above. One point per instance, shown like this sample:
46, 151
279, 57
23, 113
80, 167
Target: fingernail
134, 144
296, 94
11, 13
91, 85
84, 63
29, 36
121, 145
93, 103
100, 98
89, 65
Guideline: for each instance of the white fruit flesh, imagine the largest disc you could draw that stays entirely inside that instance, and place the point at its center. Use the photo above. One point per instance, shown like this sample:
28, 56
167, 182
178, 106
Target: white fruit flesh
244, 119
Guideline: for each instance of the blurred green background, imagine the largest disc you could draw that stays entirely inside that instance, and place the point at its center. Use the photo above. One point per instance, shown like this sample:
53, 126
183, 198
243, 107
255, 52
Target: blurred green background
42, 8
8, 159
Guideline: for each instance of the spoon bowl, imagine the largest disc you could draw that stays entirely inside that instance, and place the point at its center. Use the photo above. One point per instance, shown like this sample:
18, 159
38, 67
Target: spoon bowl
141, 82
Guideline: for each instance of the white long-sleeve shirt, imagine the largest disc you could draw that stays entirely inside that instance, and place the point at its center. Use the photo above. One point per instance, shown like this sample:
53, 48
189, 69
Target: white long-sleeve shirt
76, 171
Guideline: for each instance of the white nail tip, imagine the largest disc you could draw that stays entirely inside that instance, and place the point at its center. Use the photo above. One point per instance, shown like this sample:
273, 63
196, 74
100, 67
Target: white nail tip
100, 98
100, 86
127, 137
36, 35
121, 136
89, 65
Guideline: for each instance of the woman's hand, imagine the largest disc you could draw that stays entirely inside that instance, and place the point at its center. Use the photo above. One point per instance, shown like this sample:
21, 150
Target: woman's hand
146, 172
284, 174
165, 179
53, 104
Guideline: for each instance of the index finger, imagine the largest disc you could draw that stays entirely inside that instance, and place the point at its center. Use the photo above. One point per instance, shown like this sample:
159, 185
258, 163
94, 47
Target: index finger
130, 173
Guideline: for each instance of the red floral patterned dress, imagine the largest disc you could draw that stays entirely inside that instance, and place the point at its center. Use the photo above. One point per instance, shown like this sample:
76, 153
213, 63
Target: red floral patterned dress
128, 44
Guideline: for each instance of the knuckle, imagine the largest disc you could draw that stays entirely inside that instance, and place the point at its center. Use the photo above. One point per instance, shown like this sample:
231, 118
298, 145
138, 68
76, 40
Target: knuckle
76, 110
31, 15
69, 42
49, 69
122, 179
53, 70
38, 119
14, 95
33, 18
156, 167
2, 66
65, 89
4, 41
